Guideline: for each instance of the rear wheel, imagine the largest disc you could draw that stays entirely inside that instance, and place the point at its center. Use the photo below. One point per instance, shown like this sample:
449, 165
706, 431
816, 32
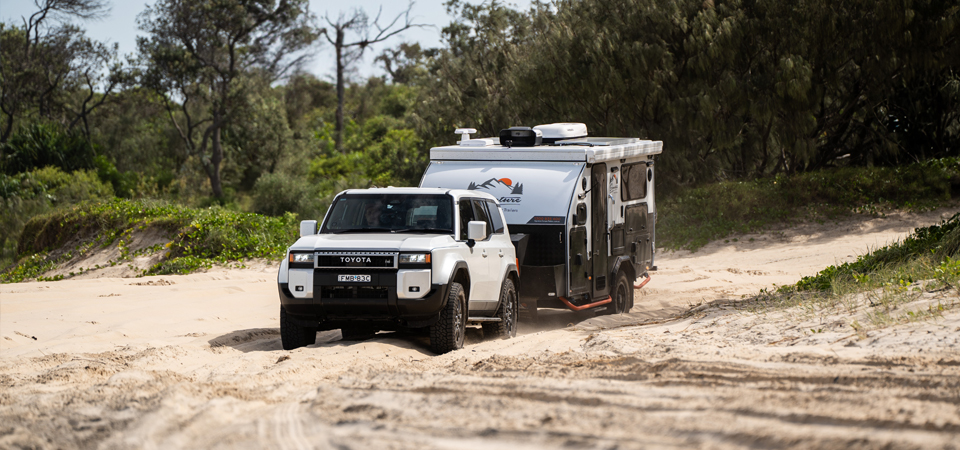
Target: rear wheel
293, 334
621, 297
506, 328
447, 334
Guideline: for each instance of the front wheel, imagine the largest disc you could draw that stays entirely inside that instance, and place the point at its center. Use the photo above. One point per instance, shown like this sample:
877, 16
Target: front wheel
293, 334
447, 334
508, 311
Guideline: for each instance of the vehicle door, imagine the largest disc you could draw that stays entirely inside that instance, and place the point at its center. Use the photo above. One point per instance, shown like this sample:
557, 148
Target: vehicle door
501, 239
476, 258
491, 252
598, 228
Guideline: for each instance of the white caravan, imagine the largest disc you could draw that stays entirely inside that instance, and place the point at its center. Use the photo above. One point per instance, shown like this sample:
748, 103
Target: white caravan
581, 209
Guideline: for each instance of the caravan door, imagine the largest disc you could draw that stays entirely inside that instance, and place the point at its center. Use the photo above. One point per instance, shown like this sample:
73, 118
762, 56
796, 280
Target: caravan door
598, 225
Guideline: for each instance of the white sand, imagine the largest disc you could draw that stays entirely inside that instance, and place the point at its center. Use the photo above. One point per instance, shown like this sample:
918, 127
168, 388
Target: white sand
195, 362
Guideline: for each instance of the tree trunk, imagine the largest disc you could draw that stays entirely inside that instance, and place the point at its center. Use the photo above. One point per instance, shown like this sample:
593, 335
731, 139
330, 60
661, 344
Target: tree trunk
216, 157
338, 130
7, 130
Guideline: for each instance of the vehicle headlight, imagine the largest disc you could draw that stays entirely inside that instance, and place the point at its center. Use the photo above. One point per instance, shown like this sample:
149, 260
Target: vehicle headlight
301, 258
414, 258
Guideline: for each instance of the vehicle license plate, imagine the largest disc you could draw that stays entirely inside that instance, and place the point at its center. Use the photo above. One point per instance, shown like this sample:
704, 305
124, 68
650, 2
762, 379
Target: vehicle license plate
354, 278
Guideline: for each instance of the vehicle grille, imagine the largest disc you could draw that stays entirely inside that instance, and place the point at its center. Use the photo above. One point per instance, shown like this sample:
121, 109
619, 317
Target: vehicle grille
369, 260
353, 292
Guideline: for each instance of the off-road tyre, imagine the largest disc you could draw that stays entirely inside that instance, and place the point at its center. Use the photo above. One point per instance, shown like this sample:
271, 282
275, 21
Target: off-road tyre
357, 333
621, 297
507, 312
447, 334
293, 335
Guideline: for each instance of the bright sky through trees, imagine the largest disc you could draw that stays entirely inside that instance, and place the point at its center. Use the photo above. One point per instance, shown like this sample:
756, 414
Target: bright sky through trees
121, 26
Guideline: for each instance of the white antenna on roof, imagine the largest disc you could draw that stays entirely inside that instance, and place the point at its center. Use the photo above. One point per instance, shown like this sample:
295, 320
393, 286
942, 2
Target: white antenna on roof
465, 133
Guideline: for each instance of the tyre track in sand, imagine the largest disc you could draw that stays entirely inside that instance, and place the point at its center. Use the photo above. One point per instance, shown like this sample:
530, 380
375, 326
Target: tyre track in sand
197, 363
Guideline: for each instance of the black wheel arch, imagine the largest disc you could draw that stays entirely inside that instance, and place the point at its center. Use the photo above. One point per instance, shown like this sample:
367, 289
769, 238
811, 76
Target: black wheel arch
459, 274
626, 265
513, 273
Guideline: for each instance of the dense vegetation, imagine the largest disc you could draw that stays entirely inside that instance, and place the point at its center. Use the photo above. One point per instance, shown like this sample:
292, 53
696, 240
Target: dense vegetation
693, 217
787, 105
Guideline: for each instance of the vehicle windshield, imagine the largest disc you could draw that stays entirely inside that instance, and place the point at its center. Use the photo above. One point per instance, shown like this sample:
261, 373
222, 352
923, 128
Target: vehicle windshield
391, 213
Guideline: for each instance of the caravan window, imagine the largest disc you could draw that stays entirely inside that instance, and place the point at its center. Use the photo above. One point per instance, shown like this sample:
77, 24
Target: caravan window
634, 180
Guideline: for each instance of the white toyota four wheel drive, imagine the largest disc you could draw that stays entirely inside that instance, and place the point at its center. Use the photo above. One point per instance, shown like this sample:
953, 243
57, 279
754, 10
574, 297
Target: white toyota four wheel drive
430, 260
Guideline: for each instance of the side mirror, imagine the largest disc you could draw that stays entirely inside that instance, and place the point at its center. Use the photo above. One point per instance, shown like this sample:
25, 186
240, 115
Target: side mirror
476, 230
308, 227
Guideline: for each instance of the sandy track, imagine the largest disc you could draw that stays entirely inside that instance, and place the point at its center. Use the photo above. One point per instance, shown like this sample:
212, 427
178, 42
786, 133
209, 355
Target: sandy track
195, 362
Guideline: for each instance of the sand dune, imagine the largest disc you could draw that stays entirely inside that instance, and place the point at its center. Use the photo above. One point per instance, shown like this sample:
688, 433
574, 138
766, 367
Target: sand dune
195, 362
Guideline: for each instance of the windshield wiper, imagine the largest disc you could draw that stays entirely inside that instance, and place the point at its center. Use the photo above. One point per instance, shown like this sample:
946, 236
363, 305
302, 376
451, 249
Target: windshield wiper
361, 230
424, 230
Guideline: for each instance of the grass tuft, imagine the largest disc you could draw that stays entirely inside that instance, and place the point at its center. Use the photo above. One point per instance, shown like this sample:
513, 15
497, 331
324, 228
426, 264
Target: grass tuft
884, 282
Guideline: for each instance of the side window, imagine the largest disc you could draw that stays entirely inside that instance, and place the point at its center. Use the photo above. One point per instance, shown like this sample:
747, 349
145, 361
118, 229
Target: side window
634, 180
480, 207
466, 215
495, 218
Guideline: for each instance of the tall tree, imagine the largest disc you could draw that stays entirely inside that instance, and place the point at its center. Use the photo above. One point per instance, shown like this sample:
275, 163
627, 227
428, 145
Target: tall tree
348, 53
50, 70
198, 51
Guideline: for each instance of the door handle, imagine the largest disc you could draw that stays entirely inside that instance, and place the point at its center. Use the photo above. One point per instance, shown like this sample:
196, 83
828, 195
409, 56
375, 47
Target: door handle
484, 253
500, 253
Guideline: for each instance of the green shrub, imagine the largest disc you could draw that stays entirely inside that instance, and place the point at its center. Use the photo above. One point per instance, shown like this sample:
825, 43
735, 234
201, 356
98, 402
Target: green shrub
124, 183
45, 144
73, 187
275, 194
939, 243
26, 195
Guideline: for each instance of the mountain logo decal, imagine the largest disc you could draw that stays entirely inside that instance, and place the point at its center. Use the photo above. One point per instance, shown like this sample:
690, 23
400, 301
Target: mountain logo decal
498, 184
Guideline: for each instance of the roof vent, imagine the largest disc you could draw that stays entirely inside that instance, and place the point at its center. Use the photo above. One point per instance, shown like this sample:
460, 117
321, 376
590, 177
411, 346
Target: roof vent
476, 143
553, 132
520, 137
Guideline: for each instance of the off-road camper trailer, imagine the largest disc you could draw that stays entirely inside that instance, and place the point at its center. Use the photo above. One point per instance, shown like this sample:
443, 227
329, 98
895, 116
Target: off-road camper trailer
581, 210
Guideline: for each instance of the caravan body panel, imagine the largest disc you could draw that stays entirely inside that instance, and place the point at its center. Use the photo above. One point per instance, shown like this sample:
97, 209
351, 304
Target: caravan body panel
582, 207
529, 192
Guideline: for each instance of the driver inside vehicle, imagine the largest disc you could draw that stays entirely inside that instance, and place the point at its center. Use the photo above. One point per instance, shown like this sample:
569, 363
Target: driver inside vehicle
371, 215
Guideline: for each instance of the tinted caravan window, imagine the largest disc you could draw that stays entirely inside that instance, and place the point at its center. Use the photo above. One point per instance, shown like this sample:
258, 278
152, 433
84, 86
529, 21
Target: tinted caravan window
634, 182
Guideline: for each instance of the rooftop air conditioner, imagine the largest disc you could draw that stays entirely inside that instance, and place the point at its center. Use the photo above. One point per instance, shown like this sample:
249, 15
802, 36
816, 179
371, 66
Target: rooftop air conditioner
553, 132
